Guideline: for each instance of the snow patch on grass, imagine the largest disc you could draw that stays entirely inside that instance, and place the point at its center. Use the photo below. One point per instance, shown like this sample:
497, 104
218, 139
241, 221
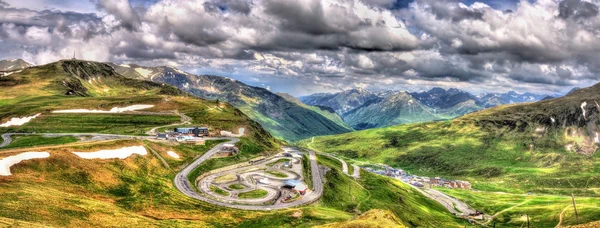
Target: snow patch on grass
117, 153
583, 108
19, 121
7, 162
113, 110
173, 154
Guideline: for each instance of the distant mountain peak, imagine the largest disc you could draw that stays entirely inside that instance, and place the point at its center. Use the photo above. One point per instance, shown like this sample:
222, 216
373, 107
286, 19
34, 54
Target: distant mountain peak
13, 64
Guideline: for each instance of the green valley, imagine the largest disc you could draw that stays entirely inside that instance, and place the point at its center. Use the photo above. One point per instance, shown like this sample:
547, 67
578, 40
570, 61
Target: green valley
65, 189
513, 149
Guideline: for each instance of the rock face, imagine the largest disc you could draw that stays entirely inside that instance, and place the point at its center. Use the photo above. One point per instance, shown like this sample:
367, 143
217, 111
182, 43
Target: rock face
283, 118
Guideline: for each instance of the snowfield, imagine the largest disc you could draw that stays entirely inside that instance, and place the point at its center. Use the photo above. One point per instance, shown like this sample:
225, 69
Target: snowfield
143, 72
113, 110
7, 162
173, 154
117, 153
19, 121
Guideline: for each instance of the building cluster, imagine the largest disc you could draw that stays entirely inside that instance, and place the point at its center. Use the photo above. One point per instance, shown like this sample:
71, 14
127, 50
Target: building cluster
418, 181
195, 134
192, 135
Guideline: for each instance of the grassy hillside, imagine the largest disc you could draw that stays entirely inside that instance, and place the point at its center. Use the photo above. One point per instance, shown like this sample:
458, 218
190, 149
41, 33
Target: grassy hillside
548, 148
398, 108
543, 210
372, 218
284, 119
73, 84
499, 160
65, 190
326, 112
377, 192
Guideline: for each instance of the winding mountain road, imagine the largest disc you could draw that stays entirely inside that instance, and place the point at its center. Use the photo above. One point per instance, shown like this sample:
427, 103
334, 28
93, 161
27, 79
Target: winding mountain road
356, 171
344, 164
183, 184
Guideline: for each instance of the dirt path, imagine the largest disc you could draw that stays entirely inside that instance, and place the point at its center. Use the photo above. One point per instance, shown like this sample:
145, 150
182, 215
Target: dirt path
184, 120
560, 217
505, 210
158, 156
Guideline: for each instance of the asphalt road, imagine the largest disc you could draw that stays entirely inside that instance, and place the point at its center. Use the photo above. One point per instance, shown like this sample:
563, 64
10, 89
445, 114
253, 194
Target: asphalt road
344, 164
182, 183
356, 171
246, 173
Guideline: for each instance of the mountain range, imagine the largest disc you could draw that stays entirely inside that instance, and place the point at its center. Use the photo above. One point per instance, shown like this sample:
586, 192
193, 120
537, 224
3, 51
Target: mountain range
284, 118
13, 64
292, 119
539, 154
362, 109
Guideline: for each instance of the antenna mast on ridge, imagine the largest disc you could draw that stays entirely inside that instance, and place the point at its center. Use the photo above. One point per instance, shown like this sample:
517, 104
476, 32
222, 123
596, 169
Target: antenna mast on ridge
73, 55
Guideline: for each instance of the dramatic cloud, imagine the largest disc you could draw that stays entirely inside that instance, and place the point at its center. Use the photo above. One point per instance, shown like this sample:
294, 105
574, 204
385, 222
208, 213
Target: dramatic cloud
543, 45
122, 10
577, 9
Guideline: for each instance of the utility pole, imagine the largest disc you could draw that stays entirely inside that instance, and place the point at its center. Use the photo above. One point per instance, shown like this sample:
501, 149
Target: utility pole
575, 208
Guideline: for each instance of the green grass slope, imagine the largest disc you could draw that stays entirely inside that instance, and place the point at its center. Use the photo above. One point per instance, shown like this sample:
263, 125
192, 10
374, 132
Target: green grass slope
67, 191
548, 148
372, 191
324, 111
284, 119
75, 84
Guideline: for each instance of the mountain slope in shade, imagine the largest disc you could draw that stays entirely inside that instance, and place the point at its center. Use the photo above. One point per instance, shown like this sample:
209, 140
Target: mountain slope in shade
327, 112
341, 102
443, 99
13, 64
284, 119
399, 108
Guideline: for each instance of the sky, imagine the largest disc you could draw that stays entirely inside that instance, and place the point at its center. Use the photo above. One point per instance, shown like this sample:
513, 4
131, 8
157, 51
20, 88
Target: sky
309, 46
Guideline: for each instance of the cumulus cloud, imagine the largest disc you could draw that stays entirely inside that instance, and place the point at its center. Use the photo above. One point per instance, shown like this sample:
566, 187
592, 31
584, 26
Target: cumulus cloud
333, 43
121, 9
